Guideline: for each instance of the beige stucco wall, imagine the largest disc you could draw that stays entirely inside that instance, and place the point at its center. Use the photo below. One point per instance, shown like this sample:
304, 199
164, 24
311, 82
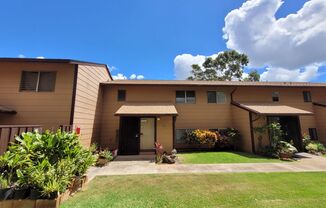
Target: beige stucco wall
88, 102
49, 109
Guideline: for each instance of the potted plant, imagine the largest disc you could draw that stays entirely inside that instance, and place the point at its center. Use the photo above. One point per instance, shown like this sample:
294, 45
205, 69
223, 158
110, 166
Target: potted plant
5, 189
286, 150
104, 157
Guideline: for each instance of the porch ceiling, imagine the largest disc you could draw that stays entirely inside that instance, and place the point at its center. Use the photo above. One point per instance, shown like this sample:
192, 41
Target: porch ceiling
146, 109
7, 110
272, 109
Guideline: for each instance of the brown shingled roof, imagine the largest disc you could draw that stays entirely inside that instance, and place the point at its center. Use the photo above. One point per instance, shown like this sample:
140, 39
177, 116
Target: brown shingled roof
213, 83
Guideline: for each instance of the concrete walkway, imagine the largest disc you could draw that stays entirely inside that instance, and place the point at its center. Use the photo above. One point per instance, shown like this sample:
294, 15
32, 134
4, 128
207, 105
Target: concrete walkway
145, 165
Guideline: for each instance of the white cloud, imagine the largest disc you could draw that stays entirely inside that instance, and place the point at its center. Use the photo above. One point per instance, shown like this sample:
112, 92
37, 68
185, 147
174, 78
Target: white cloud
119, 76
280, 74
183, 63
133, 76
140, 77
21, 56
112, 68
40, 57
290, 46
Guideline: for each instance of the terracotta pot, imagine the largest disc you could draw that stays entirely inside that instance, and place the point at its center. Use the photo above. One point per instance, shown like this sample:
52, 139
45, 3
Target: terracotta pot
283, 155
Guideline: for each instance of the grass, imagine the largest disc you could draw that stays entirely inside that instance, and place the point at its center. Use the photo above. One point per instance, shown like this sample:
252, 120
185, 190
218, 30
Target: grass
222, 157
236, 190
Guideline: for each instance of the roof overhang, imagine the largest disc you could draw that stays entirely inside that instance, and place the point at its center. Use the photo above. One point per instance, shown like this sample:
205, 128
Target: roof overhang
271, 109
7, 110
146, 109
321, 104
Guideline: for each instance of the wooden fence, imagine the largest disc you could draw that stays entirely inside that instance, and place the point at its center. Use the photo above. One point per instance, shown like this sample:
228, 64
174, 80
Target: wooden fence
9, 132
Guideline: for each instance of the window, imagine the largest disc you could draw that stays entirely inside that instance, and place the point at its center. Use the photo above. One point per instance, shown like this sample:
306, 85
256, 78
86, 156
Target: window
307, 96
181, 135
313, 133
275, 96
185, 97
38, 81
121, 95
216, 97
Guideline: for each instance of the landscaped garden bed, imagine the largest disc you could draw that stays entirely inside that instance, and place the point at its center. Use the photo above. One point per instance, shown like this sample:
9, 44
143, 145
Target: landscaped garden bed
42, 170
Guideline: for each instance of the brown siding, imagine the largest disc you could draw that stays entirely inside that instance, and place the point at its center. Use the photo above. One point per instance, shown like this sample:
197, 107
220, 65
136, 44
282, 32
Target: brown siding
320, 113
288, 96
49, 109
199, 115
240, 119
88, 102
165, 132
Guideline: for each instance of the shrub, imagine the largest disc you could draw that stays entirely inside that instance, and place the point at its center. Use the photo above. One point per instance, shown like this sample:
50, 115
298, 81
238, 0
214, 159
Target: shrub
227, 139
206, 137
286, 148
45, 162
315, 147
105, 154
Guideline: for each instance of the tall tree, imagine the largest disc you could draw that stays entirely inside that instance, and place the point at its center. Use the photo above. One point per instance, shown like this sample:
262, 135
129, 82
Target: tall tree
253, 76
226, 66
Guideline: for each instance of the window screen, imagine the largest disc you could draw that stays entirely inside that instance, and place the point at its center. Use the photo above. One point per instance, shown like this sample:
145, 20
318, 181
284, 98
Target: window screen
191, 97
29, 81
121, 95
275, 97
211, 97
220, 97
215, 97
38, 81
313, 133
180, 97
307, 96
46, 82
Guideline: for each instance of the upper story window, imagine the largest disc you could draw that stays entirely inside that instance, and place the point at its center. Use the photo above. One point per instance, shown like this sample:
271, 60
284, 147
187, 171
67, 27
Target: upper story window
276, 96
121, 95
216, 97
185, 97
307, 96
37, 81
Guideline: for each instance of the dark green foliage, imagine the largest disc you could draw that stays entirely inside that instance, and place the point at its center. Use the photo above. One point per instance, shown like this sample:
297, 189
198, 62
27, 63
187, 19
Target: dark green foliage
225, 67
253, 76
45, 162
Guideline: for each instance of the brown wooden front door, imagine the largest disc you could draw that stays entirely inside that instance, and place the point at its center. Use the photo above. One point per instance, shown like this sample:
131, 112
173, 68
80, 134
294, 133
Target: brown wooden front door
129, 135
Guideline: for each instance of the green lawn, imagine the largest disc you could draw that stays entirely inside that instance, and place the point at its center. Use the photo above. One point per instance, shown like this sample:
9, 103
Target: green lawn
247, 190
222, 157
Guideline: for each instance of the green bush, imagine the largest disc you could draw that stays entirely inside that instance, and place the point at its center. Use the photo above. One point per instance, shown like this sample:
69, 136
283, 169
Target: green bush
315, 147
45, 162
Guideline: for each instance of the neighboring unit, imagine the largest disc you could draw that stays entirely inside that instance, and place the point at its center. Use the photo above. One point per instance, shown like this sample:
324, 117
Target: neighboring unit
133, 114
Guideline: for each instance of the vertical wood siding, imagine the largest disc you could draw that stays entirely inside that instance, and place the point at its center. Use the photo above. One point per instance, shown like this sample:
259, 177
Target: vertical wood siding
48, 109
88, 102
320, 113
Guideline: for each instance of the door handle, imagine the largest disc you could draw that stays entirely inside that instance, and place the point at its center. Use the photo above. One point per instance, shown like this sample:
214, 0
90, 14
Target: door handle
137, 135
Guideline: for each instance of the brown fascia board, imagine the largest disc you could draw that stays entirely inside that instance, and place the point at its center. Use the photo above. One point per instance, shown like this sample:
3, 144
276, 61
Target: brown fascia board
46, 60
319, 104
213, 83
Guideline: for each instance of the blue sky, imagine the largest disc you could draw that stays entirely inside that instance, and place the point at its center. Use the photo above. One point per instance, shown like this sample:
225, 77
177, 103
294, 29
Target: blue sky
140, 37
